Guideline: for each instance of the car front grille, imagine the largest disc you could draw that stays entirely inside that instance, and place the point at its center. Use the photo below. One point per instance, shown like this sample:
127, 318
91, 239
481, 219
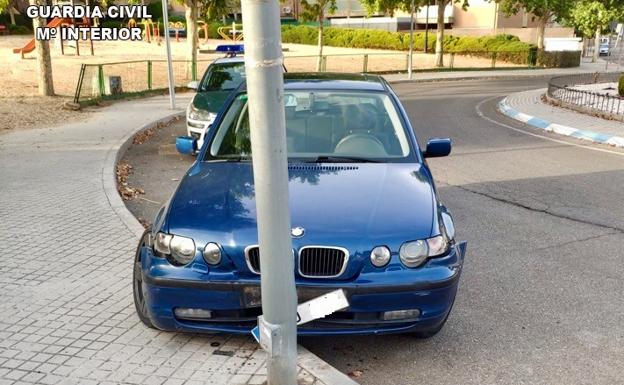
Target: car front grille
252, 255
314, 261
322, 261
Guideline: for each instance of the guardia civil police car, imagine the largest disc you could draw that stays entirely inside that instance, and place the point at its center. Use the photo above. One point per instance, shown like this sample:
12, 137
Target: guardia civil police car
222, 77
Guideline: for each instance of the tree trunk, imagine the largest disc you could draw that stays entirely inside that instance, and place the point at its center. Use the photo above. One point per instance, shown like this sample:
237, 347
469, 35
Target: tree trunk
191, 35
439, 48
319, 63
541, 31
44, 62
596, 46
12, 14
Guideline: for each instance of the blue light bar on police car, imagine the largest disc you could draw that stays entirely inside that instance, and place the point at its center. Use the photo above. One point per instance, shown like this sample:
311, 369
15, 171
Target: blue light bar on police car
230, 48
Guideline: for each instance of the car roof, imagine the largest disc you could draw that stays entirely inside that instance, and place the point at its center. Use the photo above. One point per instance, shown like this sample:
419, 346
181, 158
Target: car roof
331, 81
229, 59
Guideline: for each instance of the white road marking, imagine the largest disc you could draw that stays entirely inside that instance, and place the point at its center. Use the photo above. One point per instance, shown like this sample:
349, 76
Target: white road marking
481, 115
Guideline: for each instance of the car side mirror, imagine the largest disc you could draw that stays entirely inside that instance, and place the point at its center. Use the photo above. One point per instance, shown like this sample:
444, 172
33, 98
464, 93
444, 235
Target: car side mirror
194, 85
437, 147
186, 145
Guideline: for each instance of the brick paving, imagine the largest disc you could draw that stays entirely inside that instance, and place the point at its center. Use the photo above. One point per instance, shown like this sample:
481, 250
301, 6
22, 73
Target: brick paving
530, 103
66, 314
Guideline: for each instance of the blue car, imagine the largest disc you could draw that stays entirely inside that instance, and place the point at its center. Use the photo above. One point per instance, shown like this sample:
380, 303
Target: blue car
364, 209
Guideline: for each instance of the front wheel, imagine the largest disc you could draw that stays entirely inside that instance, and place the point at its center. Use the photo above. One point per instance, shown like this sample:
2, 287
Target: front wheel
138, 289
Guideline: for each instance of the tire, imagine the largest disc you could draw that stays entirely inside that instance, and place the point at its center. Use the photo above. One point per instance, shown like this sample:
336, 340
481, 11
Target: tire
137, 285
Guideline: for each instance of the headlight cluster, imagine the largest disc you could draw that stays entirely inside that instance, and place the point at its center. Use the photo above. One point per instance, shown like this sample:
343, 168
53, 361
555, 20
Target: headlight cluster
415, 253
202, 115
181, 250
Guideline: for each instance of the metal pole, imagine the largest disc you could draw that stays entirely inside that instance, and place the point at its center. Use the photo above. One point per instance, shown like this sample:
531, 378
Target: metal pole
169, 62
411, 42
427, 28
263, 66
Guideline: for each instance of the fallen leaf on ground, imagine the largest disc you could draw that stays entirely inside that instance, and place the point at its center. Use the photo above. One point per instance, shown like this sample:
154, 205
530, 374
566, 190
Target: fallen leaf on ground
356, 373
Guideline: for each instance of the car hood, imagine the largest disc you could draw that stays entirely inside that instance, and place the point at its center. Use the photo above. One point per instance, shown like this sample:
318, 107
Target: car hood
211, 101
350, 205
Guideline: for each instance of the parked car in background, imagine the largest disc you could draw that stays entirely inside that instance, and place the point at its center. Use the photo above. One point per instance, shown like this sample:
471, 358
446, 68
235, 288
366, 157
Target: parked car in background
364, 208
222, 77
603, 50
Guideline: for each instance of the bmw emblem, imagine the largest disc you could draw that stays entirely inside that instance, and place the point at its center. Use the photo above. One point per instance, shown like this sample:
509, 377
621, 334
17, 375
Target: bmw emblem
297, 232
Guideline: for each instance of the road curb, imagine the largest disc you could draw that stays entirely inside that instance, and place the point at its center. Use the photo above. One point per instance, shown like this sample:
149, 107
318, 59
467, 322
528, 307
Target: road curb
320, 369
109, 176
463, 78
542, 124
307, 360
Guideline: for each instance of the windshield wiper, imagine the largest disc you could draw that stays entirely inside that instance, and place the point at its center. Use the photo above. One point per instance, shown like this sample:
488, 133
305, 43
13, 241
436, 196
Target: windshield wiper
343, 159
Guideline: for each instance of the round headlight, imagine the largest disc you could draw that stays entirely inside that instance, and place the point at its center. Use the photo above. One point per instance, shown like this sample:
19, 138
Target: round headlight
414, 254
162, 243
182, 249
437, 245
380, 256
212, 254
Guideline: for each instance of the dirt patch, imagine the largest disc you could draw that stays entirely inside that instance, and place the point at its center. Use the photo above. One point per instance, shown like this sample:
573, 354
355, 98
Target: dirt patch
151, 169
22, 112
123, 171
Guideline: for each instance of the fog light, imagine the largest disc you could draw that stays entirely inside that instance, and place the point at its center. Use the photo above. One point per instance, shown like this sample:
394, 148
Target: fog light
195, 125
192, 314
400, 314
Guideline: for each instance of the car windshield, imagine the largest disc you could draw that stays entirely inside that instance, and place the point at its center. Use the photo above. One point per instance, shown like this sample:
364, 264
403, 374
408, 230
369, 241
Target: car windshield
331, 126
224, 77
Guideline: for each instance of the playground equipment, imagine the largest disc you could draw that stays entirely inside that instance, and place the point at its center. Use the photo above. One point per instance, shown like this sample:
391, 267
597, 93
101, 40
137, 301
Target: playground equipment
151, 30
176, 27
203, 26
234, 33
58, 23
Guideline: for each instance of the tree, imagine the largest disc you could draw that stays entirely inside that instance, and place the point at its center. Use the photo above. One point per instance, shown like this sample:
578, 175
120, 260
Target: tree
543, 10
439, 48
9, 6
218, 9
44, 62
316, 11
592, 17
387, 7
191, 8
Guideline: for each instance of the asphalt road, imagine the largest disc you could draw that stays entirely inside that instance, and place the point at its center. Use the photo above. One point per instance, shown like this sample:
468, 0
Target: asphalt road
540, 300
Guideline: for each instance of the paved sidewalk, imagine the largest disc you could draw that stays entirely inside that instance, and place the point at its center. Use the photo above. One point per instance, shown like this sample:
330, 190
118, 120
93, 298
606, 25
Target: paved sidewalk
528, 107
585, 67
66, 315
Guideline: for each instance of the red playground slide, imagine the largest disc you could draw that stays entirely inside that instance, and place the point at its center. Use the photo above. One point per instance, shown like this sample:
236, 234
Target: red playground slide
30, 46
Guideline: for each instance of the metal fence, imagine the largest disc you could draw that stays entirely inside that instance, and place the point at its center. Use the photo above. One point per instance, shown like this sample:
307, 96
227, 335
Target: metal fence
114, 80
577, 92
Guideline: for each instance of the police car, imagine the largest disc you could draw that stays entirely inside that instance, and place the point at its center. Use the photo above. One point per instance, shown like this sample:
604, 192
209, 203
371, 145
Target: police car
222, 77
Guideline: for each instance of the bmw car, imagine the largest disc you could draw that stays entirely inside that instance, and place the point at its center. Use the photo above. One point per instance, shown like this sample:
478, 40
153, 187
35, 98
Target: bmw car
364, 208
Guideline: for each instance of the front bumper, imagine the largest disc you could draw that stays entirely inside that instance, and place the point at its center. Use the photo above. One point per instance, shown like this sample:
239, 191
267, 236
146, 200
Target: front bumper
197, 129
236, 304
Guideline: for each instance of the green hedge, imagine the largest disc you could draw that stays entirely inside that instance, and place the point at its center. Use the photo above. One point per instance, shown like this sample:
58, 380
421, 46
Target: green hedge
507, 47
558, 59
621, 86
